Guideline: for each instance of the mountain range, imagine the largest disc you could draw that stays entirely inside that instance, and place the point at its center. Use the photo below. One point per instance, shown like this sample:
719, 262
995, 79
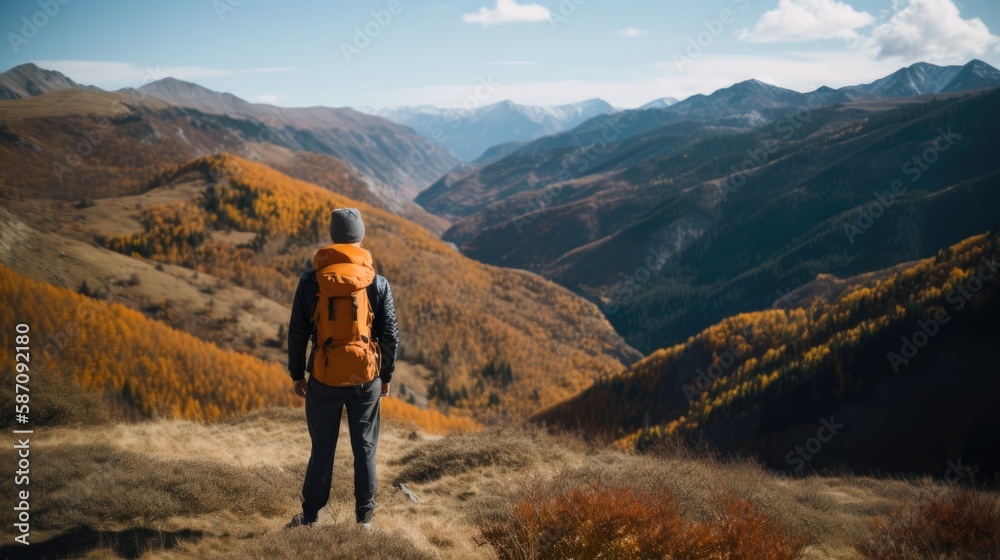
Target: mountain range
378, 149
675, 218
468, 132
28, 80
827, 224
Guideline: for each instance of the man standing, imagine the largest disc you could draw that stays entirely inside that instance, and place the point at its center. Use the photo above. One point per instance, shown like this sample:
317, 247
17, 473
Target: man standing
348, 308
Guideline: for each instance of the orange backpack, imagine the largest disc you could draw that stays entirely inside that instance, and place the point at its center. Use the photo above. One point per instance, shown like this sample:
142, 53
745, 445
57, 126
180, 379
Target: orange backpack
346, 352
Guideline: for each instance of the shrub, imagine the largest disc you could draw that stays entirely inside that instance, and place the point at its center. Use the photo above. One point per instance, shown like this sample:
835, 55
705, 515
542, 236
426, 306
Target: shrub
597, 520
956, 525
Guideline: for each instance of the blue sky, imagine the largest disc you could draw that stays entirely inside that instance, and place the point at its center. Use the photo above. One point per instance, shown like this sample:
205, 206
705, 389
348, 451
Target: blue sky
472, 52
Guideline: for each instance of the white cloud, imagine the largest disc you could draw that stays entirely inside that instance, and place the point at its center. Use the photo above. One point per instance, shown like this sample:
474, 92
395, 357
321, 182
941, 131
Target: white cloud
630, 32
931, 30
508, 11
808, 20
800, 71
105, 72
268, 98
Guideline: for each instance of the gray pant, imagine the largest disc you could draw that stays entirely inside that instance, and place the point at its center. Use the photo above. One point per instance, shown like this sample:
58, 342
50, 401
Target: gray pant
324, 409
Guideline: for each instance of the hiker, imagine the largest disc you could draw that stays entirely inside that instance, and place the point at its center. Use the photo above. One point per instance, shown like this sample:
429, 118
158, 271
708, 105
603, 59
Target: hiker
347, 308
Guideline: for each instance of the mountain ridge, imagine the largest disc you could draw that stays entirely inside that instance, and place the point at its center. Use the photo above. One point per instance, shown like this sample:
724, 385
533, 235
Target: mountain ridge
887, 356
375, 147
687, 185
470, 132
29, 80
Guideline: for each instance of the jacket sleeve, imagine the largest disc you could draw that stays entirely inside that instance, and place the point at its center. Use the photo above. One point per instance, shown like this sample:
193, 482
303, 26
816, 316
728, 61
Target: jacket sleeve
387, 330
300, 329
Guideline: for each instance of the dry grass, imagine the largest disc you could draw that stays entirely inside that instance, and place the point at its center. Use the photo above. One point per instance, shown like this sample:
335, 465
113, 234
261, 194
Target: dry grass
958, 524
84, 484
181, 490
342, 540
506, 449
57, 400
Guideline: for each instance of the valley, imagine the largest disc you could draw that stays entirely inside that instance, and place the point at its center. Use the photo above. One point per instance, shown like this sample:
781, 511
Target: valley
753, 323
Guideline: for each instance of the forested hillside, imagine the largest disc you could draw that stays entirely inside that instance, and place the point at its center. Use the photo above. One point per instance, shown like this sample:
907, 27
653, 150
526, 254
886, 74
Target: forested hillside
144, 369
463, 320
673, 226
893, 361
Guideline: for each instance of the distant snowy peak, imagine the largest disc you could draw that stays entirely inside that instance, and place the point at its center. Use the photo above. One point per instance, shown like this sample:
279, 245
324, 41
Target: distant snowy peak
661, 103
560, 114
469, 132
924, 78
974, 75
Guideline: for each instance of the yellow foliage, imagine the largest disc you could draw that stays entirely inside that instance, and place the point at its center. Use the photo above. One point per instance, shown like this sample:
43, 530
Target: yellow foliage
787, 348
142, 365
431, 421
456, 315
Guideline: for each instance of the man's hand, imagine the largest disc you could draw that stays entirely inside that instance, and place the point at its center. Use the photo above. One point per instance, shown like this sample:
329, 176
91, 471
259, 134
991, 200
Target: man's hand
299, 387
385, 389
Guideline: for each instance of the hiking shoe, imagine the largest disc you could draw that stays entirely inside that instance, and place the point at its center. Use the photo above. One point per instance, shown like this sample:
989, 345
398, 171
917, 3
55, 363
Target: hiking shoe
299, 520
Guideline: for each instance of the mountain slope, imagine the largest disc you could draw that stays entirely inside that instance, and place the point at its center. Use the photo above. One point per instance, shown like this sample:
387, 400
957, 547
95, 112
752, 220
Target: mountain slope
892, 358
81, 143
677, 226
809, 209
661, 103
745, 98
145, 369
460, 319
469, 132
374, 146
28, 80
169, 373
923, 78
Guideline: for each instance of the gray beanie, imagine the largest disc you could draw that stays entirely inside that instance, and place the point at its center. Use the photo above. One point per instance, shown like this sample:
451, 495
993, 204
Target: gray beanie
346, 226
